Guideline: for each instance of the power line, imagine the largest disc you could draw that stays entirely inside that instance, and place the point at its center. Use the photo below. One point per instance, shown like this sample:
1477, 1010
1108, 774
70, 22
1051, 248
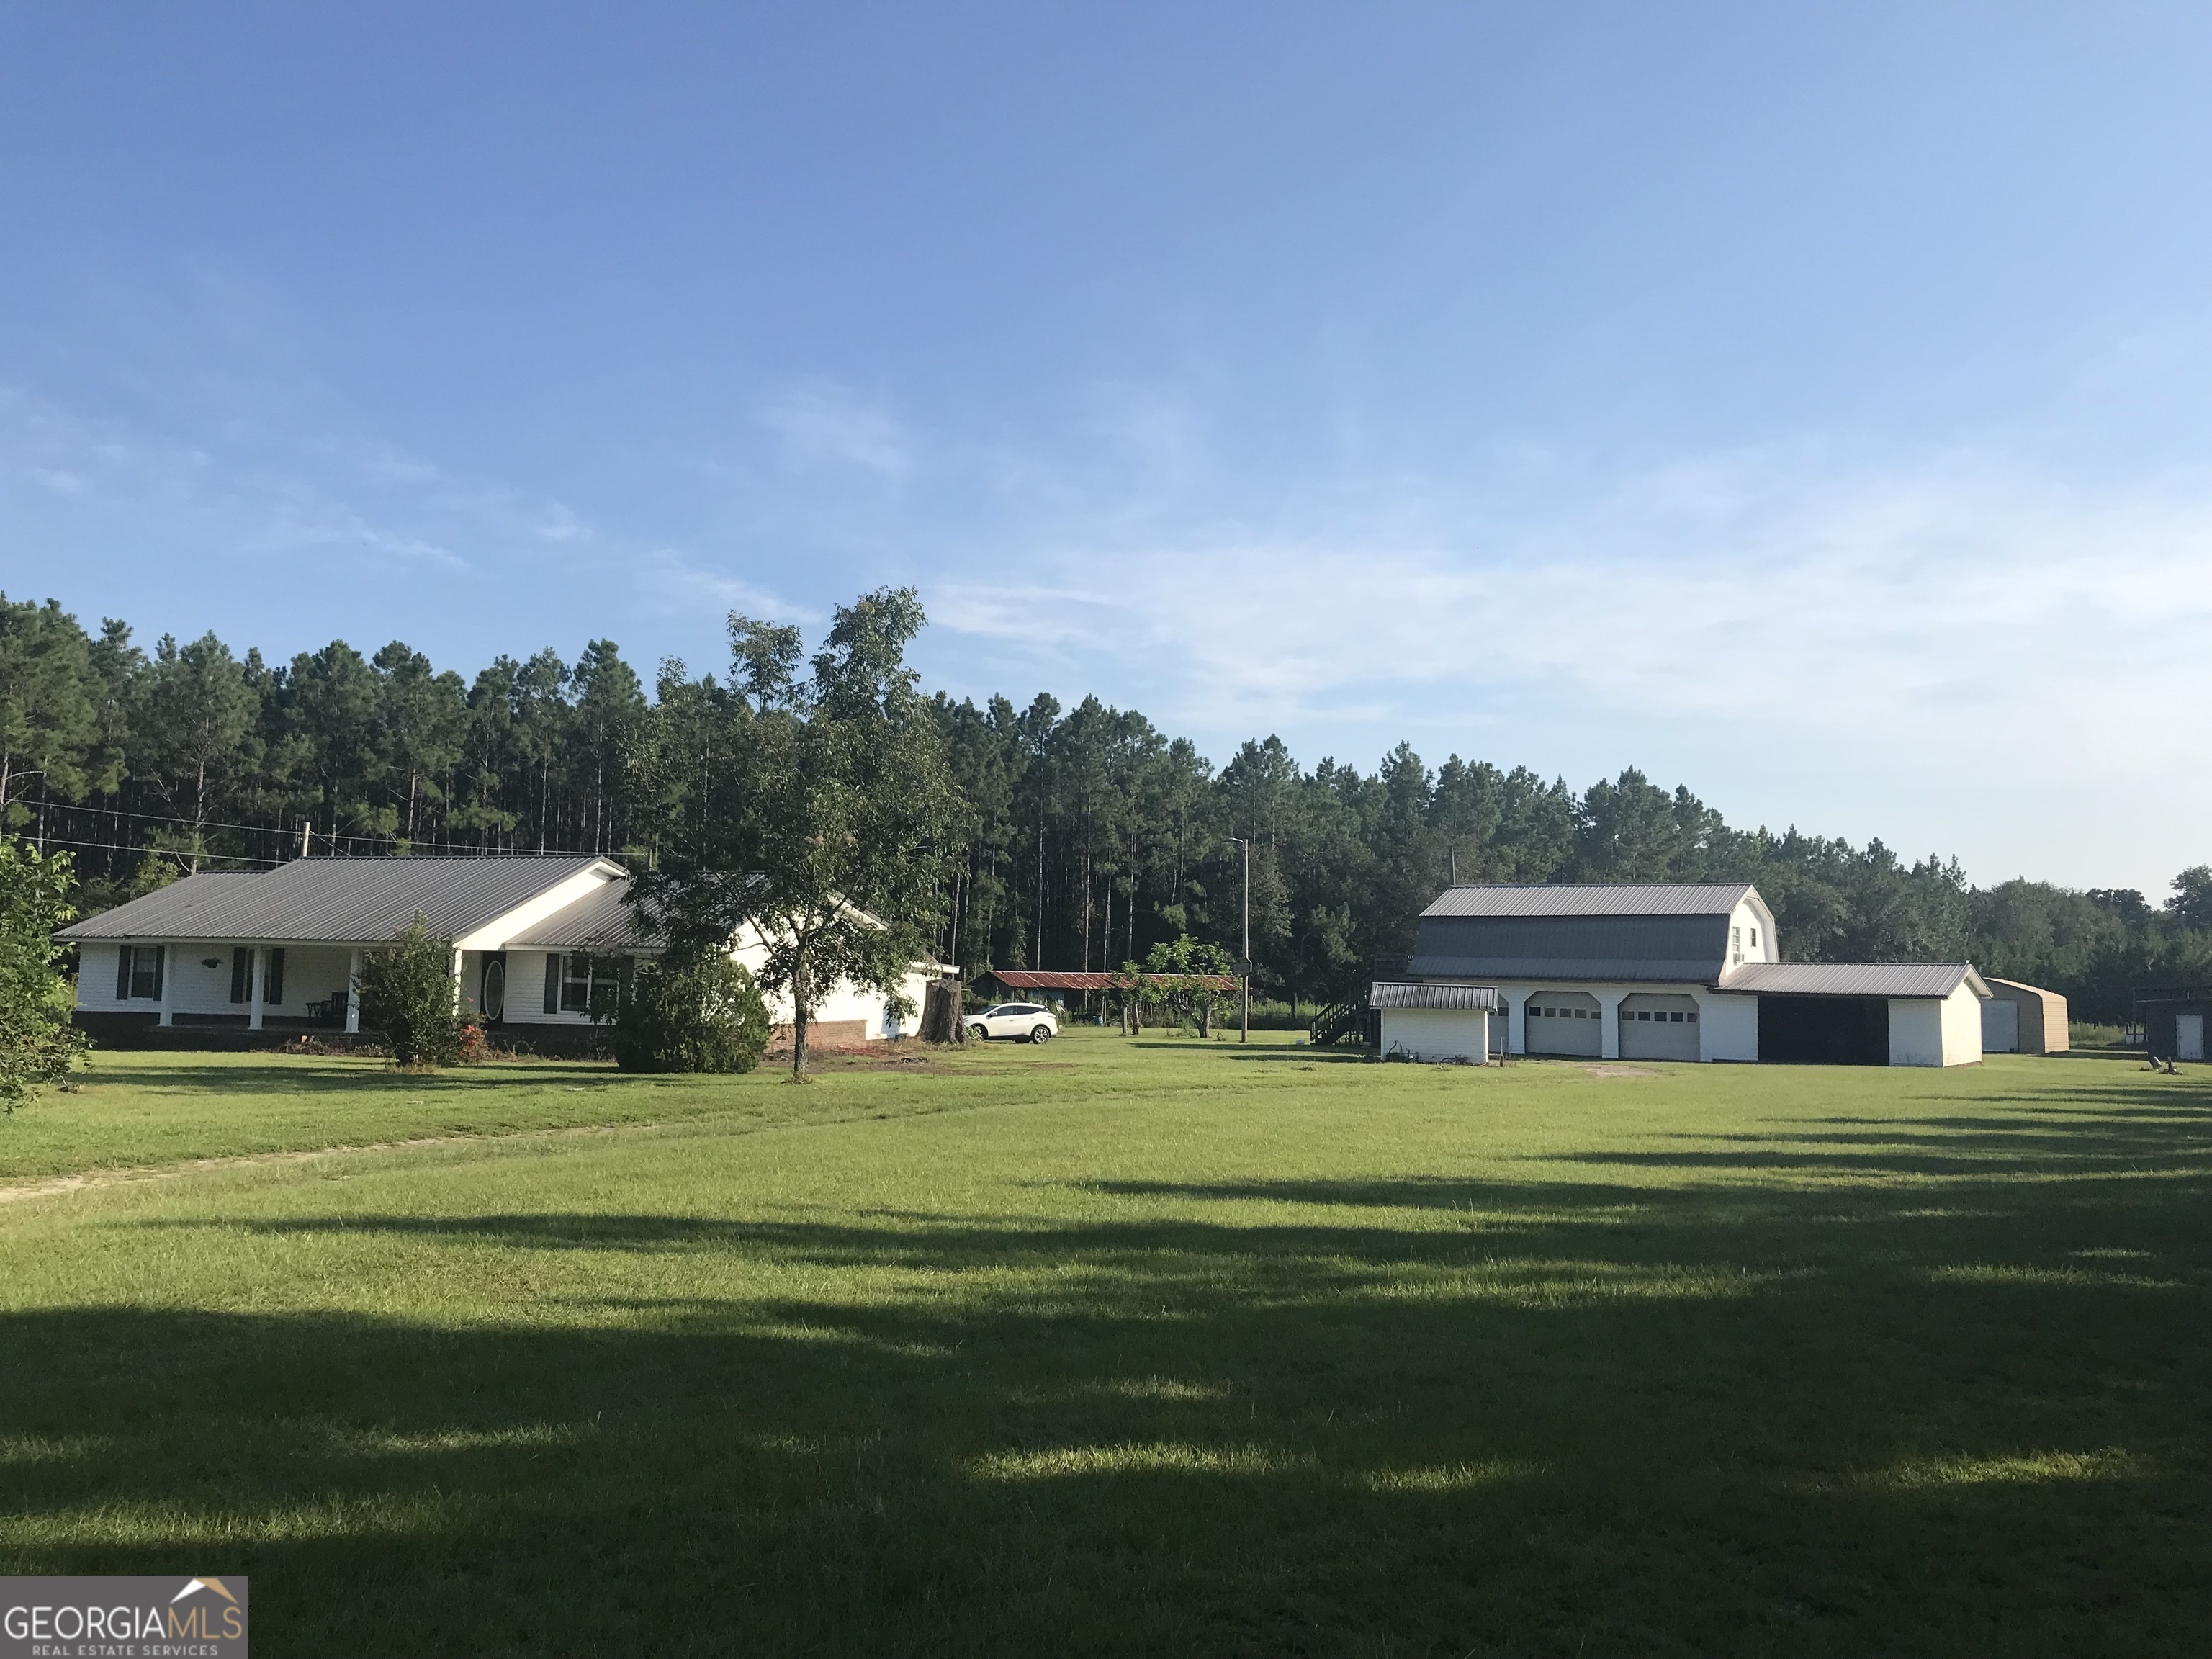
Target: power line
328, 836
109, 847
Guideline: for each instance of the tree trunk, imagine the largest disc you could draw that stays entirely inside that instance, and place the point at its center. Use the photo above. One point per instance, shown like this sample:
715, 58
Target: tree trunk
799, 1011
1205, 1017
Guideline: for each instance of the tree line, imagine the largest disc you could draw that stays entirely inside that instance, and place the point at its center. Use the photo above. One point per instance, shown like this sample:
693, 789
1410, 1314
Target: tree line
1081, 838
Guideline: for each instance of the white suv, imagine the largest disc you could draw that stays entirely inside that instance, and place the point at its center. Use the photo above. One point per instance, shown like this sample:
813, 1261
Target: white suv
1032, 1020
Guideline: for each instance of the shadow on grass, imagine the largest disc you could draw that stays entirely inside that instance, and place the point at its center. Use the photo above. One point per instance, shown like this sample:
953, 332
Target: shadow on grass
1271, 1052
1589, 1417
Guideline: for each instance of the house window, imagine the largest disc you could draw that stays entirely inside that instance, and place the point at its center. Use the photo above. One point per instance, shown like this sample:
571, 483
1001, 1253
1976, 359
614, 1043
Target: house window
1754, 939
589, 984
142, 971
242, 975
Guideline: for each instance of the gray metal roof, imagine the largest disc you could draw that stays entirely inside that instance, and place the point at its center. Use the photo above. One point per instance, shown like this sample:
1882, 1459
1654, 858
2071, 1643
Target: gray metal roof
1461, 999
1694, 946
1592, 899
1854, 979
342, 901
598, 921
1659, 970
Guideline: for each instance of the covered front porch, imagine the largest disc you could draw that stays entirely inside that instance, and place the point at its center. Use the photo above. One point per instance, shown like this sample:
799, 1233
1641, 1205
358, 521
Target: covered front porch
256, 986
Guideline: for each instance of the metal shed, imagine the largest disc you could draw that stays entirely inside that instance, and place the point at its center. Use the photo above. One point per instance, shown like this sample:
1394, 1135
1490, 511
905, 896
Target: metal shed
1430, 1022
2023, 1019
2174, 1020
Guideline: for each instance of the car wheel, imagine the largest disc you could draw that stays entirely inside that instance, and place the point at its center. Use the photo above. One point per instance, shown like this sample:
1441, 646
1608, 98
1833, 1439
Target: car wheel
1041, 1033
979, 1034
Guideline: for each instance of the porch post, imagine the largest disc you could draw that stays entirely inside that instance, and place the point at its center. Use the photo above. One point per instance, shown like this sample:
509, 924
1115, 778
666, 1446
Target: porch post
353, 993
168, 979
456, 972
254, 963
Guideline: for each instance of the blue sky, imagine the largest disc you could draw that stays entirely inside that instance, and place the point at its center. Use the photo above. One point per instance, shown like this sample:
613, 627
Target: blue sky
1807, 404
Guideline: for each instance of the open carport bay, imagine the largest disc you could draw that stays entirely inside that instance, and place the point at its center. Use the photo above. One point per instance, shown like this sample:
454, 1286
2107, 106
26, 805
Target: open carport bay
1823, 1031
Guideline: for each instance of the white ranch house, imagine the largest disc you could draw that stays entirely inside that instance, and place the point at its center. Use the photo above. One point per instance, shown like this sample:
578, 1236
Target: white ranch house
278, 949
1689, 972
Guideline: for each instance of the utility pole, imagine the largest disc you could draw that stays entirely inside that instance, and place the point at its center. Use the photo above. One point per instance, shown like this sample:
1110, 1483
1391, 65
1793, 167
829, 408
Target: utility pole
1244, 961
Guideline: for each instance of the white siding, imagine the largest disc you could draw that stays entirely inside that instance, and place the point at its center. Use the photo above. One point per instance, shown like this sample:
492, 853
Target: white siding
1916, 1032
1727, 1026
312, 974
1745, 921
1438, 1034
1927, 1031
95, 982
1962, 1028
1730, 1027
526, 993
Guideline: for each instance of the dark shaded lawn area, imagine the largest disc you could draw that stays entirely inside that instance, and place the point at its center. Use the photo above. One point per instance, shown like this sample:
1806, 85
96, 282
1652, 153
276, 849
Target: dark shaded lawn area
1927, 1384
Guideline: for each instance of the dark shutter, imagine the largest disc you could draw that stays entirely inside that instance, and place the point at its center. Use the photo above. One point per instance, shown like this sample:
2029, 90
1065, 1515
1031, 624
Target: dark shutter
272, 978
552, 982
123, 973
160, 951
241, 973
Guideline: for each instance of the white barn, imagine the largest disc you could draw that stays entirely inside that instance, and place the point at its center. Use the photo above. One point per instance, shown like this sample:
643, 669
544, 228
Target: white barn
1680, 971
535, 941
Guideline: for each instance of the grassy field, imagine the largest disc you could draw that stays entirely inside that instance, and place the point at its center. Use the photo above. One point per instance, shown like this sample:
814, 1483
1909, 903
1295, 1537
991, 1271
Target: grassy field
1112, 1347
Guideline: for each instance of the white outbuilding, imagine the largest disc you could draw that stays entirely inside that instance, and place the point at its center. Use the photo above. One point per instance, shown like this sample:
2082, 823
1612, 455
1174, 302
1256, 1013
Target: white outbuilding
1683, 971
1435, 1021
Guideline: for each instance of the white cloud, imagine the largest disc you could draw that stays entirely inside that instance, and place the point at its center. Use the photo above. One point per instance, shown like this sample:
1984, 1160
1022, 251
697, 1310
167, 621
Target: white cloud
1745, 588
819, 423
1957, 633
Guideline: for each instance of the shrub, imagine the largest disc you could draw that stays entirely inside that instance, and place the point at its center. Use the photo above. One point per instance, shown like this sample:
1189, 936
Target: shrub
37, 1042
407, 993
702, 1015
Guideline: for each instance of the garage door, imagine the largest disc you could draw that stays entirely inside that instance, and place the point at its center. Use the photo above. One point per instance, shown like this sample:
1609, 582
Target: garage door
1565, 1022
2000, 1026
1655, 1027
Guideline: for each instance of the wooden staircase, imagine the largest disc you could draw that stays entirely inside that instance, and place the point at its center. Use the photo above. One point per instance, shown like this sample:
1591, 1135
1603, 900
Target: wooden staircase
1351, 1018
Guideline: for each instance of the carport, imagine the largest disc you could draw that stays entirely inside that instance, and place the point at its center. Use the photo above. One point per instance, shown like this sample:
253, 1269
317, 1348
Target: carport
1865, 1014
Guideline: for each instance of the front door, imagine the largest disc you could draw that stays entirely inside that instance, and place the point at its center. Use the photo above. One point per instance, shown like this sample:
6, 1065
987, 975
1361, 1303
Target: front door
2189, 1037
491, 1000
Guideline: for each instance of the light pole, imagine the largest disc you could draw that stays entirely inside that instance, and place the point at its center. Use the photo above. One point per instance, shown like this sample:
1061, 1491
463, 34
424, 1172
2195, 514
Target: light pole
1244, 962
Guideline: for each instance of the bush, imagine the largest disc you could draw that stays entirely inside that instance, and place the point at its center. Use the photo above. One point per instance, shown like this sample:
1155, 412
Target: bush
407, 993
704, 1015
37, 1042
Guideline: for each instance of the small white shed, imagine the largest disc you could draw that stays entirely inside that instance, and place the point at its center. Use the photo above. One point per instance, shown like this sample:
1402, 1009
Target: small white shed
1440, 1023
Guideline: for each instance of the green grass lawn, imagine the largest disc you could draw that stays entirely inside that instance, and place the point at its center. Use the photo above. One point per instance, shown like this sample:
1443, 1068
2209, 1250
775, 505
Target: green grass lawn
1113, 1347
